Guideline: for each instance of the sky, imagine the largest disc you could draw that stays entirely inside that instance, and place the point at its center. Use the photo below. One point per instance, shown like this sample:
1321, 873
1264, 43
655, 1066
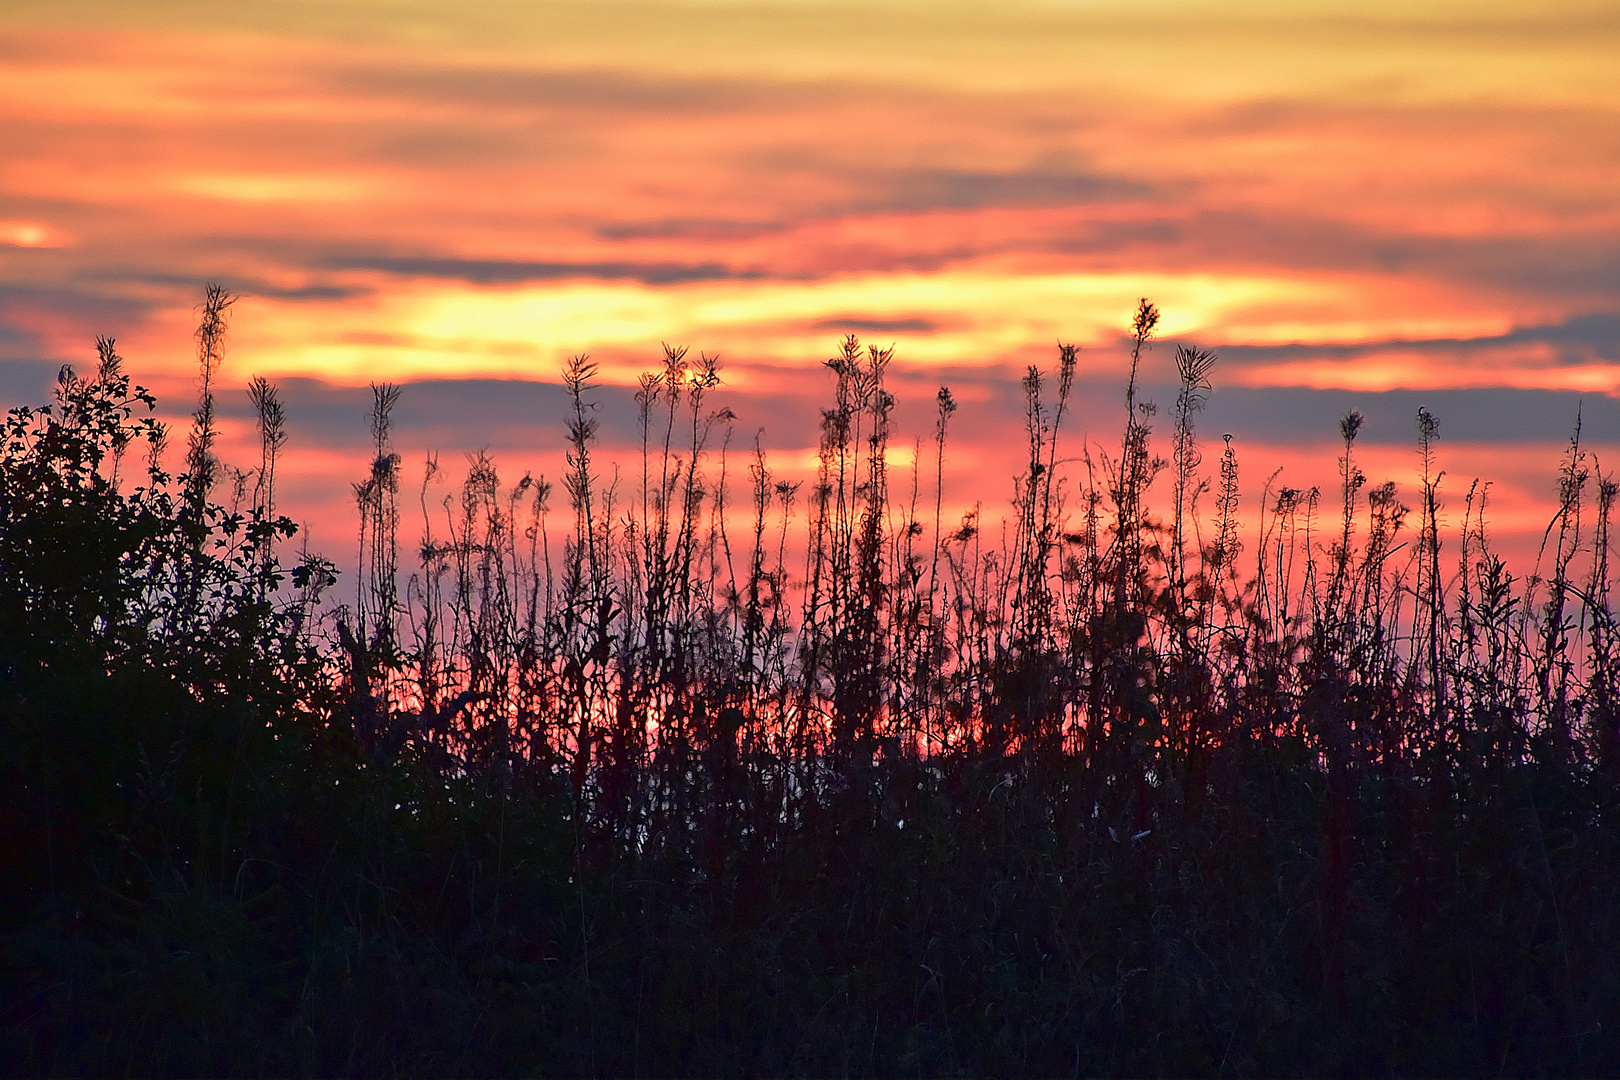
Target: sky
1369, 205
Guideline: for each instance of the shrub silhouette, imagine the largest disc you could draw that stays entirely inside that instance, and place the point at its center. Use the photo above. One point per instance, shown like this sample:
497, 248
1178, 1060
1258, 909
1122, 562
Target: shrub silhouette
803, 780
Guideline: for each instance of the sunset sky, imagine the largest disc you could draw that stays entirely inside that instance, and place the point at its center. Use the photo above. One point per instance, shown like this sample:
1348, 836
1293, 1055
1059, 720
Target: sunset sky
1375, 205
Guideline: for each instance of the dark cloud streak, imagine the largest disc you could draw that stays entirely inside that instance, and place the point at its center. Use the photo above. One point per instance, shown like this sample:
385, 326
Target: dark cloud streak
519, 271
1579, 339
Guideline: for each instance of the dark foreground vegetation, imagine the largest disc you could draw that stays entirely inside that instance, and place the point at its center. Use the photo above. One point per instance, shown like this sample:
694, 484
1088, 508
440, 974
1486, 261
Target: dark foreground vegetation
690, 769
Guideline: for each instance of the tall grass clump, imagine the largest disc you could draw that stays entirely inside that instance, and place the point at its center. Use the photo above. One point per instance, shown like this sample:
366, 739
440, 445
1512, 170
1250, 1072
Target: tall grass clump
678, 764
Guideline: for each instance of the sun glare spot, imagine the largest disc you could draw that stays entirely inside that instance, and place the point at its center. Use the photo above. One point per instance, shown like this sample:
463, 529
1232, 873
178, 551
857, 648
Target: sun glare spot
30, 234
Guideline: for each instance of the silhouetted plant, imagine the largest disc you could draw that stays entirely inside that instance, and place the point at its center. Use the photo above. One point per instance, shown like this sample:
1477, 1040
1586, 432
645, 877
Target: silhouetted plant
629, 792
